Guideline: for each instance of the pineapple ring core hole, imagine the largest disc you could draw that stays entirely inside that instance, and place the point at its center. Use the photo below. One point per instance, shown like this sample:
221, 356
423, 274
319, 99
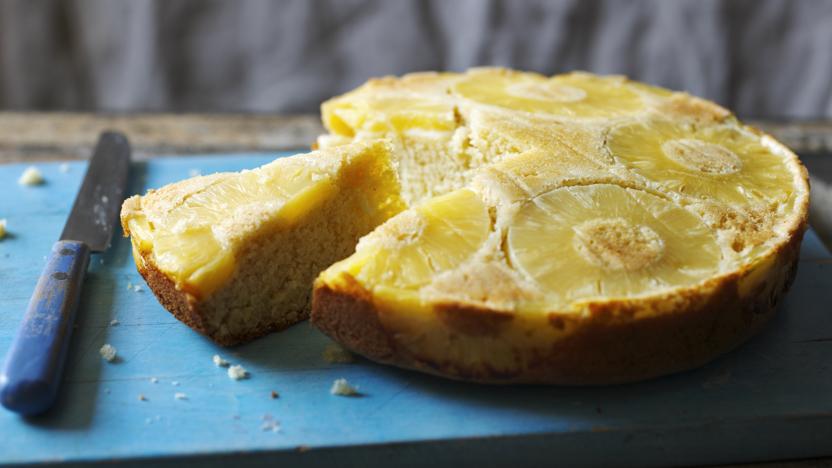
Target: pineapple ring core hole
702, 156
616, 244
547, 91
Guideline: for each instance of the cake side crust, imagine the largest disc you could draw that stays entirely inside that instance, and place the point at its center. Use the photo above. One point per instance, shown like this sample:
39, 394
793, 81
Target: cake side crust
604, 347
195, 314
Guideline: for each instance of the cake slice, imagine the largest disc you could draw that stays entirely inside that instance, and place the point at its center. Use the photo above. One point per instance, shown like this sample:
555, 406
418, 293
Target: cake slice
233, 255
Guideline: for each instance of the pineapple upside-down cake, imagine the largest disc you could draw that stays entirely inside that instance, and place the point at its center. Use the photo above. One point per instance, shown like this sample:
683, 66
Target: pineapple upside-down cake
574, 229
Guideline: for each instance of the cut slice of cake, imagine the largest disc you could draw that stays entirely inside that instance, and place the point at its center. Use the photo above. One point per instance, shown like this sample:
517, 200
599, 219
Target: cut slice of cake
579, 230
233, 255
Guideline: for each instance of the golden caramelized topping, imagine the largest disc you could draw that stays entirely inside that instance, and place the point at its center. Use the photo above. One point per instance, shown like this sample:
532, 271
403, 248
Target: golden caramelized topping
576, 187
416, 245
577, 95
723, 162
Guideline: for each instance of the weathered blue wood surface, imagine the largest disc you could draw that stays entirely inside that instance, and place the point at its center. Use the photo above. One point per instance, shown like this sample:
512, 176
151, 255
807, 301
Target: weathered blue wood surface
770, 399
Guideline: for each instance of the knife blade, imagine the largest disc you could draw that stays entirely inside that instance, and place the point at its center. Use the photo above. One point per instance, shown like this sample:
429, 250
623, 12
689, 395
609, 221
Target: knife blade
32, 371
98, 202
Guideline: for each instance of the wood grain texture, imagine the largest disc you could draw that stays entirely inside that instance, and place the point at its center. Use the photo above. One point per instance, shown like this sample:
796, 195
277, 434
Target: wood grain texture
60, 136
49, 136
768, 400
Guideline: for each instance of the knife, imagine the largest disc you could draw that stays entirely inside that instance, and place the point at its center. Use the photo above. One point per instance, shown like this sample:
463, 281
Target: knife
32, 371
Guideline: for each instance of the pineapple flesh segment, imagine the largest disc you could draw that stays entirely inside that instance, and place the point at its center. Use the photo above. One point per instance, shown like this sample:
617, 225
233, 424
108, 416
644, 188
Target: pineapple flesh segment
603, 240
420, 122
572, 95
192, 229
386, 106
707, 161
414, 246
382, 115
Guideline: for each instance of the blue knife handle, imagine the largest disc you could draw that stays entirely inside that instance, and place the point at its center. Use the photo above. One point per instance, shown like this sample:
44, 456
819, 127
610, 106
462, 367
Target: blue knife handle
34, 364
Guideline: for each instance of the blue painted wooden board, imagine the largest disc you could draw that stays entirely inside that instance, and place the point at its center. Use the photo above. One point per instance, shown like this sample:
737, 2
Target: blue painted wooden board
770, 399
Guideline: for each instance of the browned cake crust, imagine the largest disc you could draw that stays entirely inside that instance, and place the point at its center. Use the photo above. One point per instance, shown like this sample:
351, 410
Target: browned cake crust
609, 345
191, 312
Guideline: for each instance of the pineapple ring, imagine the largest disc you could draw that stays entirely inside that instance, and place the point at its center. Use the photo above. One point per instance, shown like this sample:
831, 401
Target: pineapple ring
612, 241
574, 95
716, 162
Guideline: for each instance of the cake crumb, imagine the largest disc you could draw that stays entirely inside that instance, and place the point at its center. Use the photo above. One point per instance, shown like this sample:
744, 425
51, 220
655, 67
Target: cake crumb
237, 372
270, 424
2, 228
273, 395
108, 352
175, 383
114, 322
142, 397
343, 388
180, 396
129, 285
137, 288
64, 168
335, 354
154, 380
220, 362
31, 176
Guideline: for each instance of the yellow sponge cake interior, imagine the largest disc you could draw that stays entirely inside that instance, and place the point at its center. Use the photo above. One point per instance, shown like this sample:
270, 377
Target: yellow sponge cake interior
234, 254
